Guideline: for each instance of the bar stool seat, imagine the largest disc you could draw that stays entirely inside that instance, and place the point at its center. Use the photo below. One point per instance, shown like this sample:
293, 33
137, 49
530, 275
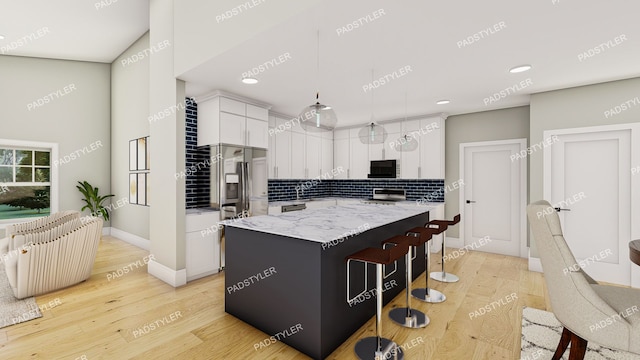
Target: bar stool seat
426, 294
377, 347
407, 316
442, 226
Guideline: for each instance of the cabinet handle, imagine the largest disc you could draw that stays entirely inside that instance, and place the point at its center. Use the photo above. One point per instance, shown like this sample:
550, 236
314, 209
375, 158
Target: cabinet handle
348, 173
383, 158
419, 172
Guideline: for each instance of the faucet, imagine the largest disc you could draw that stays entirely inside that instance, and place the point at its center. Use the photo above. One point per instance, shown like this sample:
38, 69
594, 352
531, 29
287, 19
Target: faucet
297, 193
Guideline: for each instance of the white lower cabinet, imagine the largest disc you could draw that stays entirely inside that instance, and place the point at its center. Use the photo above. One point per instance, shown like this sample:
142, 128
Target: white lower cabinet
202, 244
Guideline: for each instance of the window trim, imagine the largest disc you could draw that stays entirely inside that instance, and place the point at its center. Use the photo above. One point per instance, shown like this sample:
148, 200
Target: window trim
53, 174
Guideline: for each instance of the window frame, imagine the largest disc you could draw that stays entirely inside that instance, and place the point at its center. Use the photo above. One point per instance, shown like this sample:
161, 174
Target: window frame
53, 173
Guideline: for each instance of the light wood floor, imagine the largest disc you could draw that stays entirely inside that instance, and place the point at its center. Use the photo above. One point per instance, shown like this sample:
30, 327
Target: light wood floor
98, 319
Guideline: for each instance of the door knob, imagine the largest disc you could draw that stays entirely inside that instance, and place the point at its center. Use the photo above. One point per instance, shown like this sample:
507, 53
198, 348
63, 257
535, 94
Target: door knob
560, 209
470, 201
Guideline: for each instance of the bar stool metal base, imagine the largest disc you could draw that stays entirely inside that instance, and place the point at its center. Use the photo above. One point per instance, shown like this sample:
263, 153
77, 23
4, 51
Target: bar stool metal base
444, 277
417, 319
434, 296
366, 349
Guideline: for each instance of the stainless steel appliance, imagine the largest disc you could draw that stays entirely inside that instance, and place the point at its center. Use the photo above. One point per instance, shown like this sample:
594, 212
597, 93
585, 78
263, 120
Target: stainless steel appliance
387, 196
292, 207
383, 169
238, 183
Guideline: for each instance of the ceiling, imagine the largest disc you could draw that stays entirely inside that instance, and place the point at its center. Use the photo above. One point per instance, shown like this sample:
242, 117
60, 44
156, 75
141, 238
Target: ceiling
551, 35
89, 30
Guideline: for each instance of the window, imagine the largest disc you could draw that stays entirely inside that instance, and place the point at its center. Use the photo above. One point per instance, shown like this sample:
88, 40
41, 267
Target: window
26, 179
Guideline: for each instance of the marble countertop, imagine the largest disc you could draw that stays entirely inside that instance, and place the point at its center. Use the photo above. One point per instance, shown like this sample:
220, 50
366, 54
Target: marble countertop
329, 223
357, 200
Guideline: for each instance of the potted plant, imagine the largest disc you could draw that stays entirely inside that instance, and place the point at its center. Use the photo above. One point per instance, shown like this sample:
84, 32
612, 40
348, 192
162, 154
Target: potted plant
94, 200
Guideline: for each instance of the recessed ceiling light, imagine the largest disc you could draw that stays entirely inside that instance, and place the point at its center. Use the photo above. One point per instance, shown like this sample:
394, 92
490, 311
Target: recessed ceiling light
519, 69
442, 102
250, 81
1, 37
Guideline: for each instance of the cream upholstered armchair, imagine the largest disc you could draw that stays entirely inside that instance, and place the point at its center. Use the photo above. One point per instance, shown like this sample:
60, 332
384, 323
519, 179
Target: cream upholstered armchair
44, 223
53, 259
588, 311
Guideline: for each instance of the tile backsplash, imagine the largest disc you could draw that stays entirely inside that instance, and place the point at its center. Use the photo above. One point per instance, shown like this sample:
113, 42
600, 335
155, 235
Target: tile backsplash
197, 183
285, 190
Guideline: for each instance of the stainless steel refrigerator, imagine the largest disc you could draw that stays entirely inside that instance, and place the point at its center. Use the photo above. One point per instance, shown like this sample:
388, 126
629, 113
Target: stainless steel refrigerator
239, 183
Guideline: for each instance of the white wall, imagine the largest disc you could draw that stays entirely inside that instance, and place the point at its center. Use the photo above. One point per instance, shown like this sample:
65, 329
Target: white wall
74, 121
573, 108
167, 137
512, 123
129, 113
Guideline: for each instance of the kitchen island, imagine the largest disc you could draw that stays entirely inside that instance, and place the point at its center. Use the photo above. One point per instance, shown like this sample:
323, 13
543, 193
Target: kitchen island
288, 272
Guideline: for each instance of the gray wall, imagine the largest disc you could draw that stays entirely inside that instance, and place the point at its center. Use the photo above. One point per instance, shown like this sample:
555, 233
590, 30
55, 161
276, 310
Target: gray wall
512, 123
74, 121
576, 107
129, 112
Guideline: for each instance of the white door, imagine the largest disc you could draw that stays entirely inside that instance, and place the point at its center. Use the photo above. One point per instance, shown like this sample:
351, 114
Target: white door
313, 153
358, 156
341, 157
282, 140
493, 197
587, 176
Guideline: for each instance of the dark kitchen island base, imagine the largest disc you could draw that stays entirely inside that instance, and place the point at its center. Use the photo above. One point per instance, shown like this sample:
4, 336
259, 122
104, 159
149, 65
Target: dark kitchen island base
278, 283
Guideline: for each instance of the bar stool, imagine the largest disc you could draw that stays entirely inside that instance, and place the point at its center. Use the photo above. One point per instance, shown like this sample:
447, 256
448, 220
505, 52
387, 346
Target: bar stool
426, 294
442, 226
406, 316
377, 347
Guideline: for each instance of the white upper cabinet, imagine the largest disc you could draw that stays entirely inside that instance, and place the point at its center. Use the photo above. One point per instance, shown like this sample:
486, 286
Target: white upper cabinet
313, 156
281, 149
431, 139
223, 120
297, 151
234, 129
257, 133
358, 156
299, 154
341, 152
326, 160
425, 162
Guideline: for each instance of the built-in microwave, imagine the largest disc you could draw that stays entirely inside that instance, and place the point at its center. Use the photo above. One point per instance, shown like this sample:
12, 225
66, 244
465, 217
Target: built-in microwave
382, 169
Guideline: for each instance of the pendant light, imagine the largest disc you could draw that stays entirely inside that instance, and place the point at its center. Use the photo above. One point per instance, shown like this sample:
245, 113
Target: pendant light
318, 117
372, 133
406, 142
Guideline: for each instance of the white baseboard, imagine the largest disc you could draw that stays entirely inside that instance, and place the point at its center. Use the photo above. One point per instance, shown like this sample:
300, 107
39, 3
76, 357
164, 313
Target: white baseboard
172, 277
130, 238
535, 264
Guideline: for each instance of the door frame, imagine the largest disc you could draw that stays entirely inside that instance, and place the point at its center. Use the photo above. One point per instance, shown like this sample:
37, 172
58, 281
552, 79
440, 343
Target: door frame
522, 143
634, 128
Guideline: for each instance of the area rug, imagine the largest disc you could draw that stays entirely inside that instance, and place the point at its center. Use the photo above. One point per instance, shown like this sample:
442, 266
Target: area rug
14, 311
541, 333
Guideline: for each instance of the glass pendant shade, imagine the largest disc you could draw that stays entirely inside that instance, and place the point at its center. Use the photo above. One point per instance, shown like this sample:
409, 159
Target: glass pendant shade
407, 143
317, 118
372, 134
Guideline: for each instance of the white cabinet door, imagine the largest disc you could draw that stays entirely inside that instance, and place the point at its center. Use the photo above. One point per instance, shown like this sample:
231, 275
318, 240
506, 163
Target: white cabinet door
257, 132
202, 254
431, 140
282, 140
297, 155
258, 113
232, 129
312, 155
209, 122
327, 157
376, 151
410, 165
271, 153
341, 157
232, 106
358, 158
